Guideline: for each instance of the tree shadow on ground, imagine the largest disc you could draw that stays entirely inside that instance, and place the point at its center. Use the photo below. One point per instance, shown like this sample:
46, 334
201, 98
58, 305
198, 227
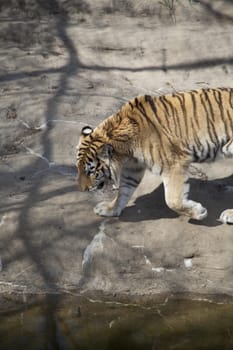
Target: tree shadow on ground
23, 232
216, 13
24, 226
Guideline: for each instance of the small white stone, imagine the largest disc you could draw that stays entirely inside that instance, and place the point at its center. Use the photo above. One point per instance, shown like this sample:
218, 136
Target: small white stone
147, 260
111, 323
188, 263
158, 269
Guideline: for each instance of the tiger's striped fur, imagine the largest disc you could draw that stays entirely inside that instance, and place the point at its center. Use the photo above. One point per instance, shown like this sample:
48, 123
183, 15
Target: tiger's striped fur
163, 134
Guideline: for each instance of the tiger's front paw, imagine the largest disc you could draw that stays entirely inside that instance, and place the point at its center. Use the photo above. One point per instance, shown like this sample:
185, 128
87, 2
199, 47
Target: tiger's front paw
106, 209
199, 212
192, 209
227, 216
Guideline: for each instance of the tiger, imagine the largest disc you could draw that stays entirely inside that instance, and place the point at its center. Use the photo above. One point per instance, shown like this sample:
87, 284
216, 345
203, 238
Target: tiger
164, 134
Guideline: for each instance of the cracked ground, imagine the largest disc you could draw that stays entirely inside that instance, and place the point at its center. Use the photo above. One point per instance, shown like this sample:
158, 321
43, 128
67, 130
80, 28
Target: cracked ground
64, 66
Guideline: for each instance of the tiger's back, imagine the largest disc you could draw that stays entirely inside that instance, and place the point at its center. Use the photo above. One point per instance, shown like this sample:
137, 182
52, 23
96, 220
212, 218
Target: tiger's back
165, 134
198, 122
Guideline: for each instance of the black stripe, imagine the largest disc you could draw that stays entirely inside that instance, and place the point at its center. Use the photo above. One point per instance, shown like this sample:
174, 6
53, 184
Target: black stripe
133, 121
131, 105
164, 103
229, 114
129, 180
121, 138
218, 98
142, 111
85, 143
231, 98
195, 154
195, 133
194, 102
230, 119
174, 116
170, 105
89, 158
181, 100
221, 108
83, 152
215, 97
210, 126
206, 93
200, 146
215, 150
209, 150
151, 102
92, 151
165, 111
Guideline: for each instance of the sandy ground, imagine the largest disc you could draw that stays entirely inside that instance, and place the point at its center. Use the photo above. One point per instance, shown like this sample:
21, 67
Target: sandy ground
64, 64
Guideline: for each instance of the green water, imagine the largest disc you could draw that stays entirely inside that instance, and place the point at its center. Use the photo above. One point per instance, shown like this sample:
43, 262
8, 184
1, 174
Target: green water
80, 325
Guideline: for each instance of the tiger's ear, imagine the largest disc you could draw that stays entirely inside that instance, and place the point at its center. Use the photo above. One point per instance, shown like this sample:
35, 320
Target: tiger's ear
86, 130
106, 152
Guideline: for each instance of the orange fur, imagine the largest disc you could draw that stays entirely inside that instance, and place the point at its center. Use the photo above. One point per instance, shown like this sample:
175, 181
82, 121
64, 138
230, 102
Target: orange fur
163, 134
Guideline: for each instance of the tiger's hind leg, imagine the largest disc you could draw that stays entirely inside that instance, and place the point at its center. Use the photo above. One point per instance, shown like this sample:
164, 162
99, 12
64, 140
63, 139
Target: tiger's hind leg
226, 216
176, 193
129, 180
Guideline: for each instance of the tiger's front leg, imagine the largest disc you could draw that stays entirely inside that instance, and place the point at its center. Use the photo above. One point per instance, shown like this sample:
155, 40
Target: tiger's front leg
129, 180
176, 194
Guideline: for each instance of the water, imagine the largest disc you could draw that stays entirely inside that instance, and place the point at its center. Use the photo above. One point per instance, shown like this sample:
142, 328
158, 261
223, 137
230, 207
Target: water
76, 324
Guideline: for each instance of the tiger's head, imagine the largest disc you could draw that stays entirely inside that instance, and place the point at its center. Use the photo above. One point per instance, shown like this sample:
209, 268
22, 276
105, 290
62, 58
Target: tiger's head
93, 161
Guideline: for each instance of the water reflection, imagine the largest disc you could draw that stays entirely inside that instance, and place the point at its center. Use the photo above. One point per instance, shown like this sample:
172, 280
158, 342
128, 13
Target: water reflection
78, 324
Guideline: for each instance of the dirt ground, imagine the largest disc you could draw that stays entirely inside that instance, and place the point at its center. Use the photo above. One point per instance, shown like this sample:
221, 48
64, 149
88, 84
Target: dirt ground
65, 64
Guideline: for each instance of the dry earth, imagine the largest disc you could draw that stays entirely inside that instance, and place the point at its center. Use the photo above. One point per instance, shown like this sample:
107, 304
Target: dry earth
64, 64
